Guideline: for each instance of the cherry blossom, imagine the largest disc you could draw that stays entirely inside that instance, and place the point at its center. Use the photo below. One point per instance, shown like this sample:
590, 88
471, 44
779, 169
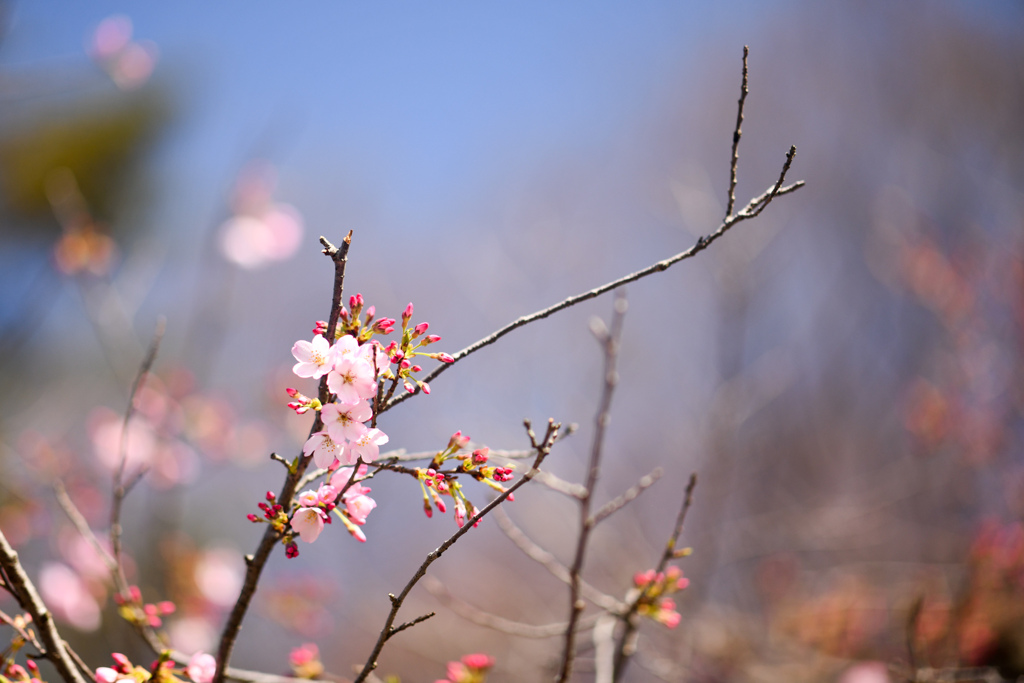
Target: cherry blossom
345, 422
201, 668
352, 379
367, 447
309, 522
359, 507
315, 357
323, 449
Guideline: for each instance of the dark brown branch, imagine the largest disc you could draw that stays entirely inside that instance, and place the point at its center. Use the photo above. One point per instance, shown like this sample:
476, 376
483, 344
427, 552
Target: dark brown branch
609, 340
629, 618
120, 489
737, 133
258, 560
753, 208
25, 593
410, 624
542, 449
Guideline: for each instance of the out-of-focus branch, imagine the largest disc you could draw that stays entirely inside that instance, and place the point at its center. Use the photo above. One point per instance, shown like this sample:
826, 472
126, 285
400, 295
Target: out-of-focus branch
258, 560
616, 504
23, 590
542, 448
623, 650
556, 568
493, 621
121, 489
609, 340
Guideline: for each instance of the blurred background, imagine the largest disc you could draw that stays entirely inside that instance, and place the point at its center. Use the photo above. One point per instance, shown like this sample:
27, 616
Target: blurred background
843, 374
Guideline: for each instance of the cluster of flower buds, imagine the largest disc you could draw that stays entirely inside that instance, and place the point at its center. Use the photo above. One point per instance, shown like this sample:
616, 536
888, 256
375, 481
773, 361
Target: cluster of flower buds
23, 674
470, 669
305, 661
356, 367
201, 669
273, 513
654, 587
435, 482
133, 610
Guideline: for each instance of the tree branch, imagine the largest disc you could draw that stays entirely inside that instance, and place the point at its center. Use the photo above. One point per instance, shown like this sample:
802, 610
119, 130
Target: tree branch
258, 560
542, 449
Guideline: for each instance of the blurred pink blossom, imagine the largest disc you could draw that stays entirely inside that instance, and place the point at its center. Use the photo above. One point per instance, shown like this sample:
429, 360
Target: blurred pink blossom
219, 574
66, 594
261, 231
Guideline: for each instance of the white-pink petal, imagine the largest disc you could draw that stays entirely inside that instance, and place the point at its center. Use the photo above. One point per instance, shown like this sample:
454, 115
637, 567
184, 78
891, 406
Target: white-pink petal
315, 358
308, 522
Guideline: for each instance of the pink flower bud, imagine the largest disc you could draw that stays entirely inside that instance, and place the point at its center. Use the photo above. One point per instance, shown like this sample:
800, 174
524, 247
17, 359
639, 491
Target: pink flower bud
409, 387
105, 674
445, 358
292, 392
480, 455
407, 313
420, 329
416, 368
320, 327
480, 662
252, 518
124, 665
431, 338
343, 313
291, 550
166, 607
425, 387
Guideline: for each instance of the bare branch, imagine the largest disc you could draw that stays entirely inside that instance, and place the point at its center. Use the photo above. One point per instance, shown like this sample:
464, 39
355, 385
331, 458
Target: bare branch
609, 340
753, 208
258, 560
25, 593
551, 563
736, 134
493, 621
566, 488
120, 489
543, 448
613, 506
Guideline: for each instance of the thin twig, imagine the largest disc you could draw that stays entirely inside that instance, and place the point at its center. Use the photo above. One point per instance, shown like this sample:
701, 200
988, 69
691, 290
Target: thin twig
410, 624
258, 560
609, 340
757, 203
628, 619
542, 449
493, 621
551, 563
120, 489
613, 506
566, 488
737, 133
25, 593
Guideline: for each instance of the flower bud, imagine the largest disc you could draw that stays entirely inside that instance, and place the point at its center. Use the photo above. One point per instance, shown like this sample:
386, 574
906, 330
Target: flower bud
407, 314
420, 329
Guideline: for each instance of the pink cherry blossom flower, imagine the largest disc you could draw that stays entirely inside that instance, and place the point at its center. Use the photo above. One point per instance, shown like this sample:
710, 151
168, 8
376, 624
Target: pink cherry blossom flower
345, 422
352, 380
308, 499
201, 667
326, 493
314, 357
309, 522
359, 507
366, 447
105, 674
341, 478
323, 449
